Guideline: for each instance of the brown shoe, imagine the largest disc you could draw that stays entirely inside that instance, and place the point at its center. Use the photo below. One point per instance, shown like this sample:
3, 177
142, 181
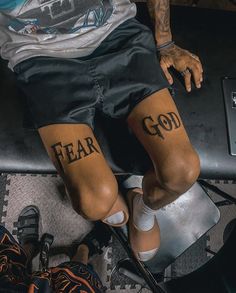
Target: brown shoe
141, 241
119, 206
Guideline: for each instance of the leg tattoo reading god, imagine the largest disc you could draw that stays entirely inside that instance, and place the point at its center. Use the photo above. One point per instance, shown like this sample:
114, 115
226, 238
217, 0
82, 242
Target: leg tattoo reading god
70, 153
163, 122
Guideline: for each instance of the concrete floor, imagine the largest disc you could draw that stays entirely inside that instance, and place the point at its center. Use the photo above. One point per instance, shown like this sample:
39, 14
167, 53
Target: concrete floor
17, 191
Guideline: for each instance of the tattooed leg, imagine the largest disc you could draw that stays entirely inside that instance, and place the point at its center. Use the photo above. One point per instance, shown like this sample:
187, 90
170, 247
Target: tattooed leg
157, 124
78, 158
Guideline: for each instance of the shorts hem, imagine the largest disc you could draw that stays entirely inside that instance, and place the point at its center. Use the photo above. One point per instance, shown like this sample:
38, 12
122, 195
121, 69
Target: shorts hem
41, 125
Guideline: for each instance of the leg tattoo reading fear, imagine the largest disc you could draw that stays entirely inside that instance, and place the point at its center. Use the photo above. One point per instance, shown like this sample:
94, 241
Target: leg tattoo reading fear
70, 153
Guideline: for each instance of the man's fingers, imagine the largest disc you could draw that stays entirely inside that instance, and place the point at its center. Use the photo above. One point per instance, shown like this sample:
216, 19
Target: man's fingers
164, 67
201, 70
194, 56
188, 64
197, 75
196, 63
199, 66
187, 80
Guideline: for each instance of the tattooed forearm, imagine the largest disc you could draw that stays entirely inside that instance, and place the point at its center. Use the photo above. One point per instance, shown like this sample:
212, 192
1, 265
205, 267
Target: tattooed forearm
160, 11
163, 122
69, 153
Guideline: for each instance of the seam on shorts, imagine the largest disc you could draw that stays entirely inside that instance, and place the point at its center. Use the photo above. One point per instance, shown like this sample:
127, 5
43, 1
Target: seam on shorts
100, 96
47, 123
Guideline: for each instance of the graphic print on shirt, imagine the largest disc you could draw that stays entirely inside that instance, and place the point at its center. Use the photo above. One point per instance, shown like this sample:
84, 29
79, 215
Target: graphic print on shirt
58, 16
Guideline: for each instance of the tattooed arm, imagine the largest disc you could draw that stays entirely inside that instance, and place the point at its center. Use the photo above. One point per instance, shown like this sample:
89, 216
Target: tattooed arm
160, 12
182, 60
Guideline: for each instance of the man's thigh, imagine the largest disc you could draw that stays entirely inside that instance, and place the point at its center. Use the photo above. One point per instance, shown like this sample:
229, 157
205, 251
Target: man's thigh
157, 124
78, 158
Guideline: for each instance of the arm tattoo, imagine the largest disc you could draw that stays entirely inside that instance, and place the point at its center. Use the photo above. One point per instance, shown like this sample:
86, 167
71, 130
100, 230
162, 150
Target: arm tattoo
160, 10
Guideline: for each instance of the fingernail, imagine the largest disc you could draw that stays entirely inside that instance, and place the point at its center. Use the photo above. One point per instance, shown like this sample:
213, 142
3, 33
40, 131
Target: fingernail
201, 79
198, 86
188, 89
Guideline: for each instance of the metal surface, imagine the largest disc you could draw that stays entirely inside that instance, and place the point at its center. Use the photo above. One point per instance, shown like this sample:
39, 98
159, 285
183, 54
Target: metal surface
181, 223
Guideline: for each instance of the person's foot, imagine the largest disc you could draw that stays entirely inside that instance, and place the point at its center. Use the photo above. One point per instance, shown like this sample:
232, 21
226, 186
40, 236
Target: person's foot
119, 214
98, 238
145, 244
28, 228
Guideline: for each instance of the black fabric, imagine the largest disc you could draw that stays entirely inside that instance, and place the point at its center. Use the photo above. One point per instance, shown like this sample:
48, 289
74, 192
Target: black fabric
121, 72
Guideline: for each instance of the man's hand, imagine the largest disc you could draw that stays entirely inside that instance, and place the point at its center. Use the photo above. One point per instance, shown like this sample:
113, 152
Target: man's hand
188, 64
182, 60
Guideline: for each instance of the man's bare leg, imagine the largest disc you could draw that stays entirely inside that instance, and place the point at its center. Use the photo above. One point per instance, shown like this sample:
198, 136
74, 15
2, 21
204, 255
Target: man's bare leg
157, 124
78, 158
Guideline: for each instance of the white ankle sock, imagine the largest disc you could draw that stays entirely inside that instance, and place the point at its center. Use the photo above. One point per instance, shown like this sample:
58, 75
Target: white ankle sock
116, 219
143, 216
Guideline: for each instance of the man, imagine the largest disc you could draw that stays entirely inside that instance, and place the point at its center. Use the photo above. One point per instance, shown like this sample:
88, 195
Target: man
74, 58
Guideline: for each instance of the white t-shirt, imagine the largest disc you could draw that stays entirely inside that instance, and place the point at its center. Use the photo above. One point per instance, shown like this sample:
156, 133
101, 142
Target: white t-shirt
58, 28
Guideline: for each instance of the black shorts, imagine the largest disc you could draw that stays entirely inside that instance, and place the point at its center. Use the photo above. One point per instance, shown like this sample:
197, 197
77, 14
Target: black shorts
119, 74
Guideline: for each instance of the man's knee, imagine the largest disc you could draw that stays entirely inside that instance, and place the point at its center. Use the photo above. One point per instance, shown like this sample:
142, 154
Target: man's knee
180, 172
94, 202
